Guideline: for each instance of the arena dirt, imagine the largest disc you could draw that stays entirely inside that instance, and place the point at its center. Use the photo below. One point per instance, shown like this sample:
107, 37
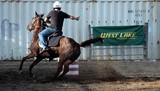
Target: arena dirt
93, 77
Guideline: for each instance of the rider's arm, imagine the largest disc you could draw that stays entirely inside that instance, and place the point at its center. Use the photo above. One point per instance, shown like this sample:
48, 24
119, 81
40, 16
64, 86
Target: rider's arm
74, 18
47, 20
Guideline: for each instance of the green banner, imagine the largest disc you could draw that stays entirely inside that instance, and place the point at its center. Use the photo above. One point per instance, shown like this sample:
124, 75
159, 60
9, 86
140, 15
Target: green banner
120, 35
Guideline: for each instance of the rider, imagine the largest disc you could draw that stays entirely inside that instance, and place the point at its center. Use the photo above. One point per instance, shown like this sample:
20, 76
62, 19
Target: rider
55, 17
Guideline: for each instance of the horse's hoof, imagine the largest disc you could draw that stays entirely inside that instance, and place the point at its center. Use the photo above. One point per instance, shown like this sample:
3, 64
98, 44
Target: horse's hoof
53, 79
35, 80
20, 72
61, 78
33, 76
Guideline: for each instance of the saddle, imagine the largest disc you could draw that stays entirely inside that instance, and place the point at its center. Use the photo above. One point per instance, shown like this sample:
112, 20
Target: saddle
53, 40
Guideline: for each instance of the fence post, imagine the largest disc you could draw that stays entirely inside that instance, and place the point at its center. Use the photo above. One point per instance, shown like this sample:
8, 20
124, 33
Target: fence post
90, 49
145, 40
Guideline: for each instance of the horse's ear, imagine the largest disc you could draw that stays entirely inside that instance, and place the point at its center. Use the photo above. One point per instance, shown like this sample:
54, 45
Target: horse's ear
36, 13
42, 15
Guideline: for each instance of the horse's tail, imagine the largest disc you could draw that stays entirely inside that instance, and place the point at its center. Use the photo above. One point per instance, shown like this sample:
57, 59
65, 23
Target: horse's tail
90, 41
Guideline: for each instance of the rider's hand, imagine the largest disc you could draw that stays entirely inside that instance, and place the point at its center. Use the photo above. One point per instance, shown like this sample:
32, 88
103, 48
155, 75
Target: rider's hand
74, 18
77, 18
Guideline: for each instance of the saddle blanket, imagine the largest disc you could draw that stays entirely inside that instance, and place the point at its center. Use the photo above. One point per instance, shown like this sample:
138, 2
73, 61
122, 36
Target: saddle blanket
53, 41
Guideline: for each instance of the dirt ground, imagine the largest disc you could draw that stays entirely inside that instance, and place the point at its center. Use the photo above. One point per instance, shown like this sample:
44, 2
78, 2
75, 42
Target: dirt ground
11, 80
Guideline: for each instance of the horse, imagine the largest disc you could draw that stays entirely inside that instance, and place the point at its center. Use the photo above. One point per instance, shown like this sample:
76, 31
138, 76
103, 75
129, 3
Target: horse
68, 50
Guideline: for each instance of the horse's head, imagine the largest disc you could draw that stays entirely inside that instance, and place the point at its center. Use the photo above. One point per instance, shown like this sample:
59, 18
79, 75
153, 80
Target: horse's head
36, 21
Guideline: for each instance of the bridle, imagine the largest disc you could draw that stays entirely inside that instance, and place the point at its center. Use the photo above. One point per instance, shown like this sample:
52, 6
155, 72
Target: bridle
35, 21
32, 25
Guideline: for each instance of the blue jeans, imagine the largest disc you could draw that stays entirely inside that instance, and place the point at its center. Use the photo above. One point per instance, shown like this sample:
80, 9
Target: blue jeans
44, 34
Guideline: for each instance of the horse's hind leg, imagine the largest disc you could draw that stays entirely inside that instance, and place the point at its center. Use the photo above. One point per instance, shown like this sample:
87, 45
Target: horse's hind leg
66, 68
59, 68
31, 55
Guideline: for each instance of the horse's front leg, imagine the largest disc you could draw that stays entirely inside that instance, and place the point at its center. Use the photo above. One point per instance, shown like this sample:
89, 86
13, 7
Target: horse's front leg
31, 55
38, 59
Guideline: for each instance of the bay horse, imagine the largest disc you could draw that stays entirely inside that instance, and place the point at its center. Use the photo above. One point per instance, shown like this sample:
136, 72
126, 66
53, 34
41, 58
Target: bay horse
68, 49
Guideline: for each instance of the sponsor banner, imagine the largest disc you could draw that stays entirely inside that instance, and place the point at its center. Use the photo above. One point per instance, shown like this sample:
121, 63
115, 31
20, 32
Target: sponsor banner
119, 35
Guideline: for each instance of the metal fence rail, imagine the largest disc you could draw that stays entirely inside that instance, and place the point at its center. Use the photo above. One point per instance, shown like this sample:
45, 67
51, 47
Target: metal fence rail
136, 52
